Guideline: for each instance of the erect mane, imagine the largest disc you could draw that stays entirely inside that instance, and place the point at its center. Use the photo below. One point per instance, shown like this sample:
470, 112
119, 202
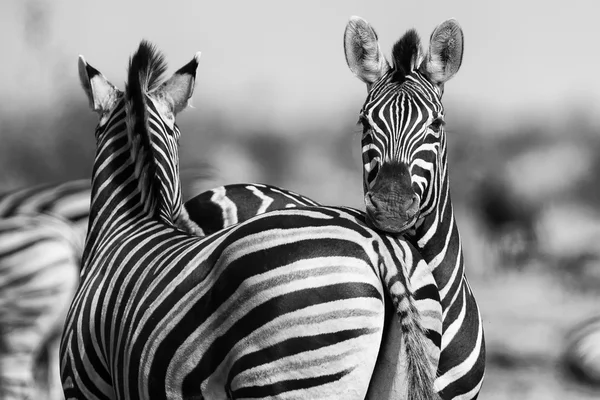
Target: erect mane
147, 65
146, 69
406, 54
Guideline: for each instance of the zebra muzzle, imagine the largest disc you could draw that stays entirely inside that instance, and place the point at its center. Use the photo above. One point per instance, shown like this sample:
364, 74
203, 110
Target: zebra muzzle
392, 213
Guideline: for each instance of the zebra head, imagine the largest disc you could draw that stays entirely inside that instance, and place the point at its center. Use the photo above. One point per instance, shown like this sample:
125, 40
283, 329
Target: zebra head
140, 124
403, 144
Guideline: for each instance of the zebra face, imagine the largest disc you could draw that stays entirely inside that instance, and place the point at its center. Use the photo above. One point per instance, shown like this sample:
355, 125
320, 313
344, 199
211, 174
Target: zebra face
402, 133
403, 118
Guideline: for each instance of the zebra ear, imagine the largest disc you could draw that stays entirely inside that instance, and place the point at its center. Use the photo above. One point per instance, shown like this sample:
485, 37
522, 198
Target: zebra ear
444, 57
180, 87
101, 94
363, 54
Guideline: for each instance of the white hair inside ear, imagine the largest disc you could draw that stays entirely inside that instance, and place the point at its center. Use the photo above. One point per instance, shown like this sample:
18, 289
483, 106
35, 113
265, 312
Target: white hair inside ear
363, 54
102, 95
444, 57
175, 94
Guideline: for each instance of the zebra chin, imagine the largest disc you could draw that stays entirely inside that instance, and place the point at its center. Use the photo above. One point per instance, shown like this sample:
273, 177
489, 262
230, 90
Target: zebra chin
390, 222
391, 225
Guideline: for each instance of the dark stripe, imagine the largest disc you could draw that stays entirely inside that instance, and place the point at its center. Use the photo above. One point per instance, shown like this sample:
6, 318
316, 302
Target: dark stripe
274, 389
291, 347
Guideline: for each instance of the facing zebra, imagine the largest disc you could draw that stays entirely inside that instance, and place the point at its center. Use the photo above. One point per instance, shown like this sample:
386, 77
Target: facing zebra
289, 303
405, 178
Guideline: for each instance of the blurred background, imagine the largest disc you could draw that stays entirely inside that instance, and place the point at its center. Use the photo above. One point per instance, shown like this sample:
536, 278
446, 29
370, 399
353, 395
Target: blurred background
276, 103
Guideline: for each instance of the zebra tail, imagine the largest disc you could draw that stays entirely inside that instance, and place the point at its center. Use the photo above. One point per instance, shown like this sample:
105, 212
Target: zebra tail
421, 368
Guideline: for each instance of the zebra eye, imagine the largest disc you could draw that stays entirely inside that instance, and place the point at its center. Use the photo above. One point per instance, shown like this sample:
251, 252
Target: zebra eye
436, 125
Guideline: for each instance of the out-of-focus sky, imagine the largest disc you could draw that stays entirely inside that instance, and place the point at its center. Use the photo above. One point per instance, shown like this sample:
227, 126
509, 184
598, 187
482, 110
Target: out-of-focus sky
282, 62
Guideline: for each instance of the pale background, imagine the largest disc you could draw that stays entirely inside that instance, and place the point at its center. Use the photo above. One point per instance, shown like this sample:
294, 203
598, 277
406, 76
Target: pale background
275, 103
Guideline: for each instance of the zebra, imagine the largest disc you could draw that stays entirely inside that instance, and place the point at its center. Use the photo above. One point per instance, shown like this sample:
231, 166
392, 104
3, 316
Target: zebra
38, 277
581, 357
405, 178
286, 304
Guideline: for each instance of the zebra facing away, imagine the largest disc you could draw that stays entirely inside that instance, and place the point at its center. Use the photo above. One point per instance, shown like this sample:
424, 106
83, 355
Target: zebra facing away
286, 305
405, 178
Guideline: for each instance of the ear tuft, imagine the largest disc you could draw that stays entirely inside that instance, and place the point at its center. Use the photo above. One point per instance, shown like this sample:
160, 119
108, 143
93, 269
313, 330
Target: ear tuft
363, 54
445, 53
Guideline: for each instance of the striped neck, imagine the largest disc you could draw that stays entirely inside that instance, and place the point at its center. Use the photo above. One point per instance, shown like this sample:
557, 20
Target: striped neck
437, 235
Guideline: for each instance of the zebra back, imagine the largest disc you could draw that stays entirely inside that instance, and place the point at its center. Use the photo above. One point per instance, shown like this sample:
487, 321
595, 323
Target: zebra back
582, 352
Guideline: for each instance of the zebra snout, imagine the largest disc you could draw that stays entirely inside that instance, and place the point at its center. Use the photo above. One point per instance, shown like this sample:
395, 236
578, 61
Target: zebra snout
391, 212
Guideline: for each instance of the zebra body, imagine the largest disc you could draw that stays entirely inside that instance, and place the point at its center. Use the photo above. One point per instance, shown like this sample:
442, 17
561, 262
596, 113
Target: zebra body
289, 304
405, 176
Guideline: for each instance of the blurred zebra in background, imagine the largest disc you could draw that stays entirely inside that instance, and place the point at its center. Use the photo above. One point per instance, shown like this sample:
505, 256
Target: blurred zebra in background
42, 231
582, 352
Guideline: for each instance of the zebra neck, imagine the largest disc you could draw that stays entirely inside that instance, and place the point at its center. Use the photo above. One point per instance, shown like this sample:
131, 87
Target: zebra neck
439, 243
116, 200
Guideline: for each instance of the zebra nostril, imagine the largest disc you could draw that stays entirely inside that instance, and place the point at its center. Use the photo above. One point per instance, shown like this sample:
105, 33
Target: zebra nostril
371, 201
412, 206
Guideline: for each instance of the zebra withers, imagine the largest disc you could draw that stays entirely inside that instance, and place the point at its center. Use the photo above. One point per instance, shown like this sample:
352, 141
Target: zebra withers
287, 304
405, 178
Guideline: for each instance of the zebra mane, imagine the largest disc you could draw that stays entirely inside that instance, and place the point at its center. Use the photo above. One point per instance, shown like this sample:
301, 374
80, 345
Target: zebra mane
146, 69
406, 54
